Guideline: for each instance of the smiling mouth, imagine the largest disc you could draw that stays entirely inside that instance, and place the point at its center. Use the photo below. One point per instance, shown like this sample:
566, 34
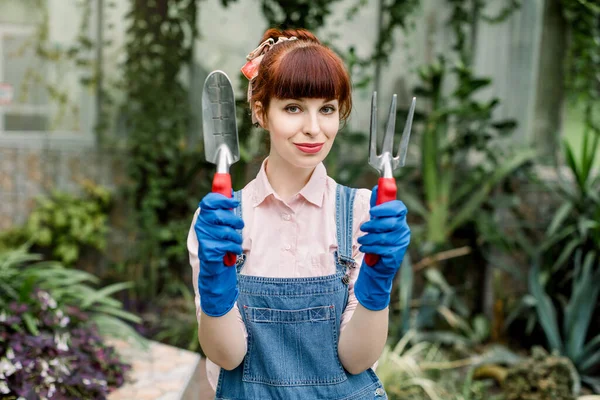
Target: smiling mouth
310, 148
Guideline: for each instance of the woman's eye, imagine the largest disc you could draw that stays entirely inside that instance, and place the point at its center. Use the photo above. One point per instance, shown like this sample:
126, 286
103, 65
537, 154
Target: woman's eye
328, 109
292, 109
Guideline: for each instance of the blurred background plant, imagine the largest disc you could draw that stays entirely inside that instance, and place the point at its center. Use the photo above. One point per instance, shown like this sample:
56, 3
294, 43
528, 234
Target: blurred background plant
63, 225
53, 328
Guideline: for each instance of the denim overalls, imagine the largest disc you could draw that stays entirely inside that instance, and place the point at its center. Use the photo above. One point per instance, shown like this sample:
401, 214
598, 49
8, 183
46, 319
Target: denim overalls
293, 330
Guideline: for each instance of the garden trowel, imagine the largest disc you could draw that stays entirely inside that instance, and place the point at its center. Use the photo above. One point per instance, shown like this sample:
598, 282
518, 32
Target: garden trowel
219, 125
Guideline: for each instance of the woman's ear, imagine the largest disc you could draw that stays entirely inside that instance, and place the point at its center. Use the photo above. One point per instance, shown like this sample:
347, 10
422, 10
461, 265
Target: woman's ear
259, 113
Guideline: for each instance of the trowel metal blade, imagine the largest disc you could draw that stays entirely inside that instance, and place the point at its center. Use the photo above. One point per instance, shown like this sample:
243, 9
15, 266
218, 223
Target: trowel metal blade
218, 118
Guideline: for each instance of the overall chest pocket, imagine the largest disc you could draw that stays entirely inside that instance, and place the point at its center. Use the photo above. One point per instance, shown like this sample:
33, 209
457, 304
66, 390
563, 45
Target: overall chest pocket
292, 347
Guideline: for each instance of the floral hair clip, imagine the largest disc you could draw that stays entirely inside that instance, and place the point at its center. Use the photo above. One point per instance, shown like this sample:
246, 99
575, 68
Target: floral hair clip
250, 69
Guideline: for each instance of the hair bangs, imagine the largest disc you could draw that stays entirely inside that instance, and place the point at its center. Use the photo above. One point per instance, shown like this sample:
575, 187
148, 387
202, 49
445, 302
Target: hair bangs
310, 72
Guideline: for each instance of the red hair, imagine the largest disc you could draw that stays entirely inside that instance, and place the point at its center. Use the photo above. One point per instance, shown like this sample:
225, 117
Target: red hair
302, 68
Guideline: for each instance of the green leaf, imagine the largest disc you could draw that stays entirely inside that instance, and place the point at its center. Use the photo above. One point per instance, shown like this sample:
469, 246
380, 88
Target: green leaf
563, 212
413, 203
572, 163
579, 312
31, 324
119, 313
592, 346
566, 253
590, 362
105, 293
464, 214
545, 310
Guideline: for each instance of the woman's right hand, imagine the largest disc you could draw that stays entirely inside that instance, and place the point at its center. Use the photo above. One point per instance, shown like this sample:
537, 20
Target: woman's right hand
216, 230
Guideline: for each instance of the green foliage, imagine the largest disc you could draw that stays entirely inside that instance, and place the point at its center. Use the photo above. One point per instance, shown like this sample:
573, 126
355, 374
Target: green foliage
64, 225
576, 224
162, 166
458, 130
177, 324
583, 62
297, 14
439, 315
414, 369
569, 338
21, 272
572, 234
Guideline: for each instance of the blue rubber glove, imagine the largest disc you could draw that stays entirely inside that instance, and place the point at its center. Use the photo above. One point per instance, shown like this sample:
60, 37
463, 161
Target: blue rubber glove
388, 235
216, 232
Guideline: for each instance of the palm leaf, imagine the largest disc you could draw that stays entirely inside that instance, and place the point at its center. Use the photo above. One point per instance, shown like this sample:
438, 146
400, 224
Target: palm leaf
105, 292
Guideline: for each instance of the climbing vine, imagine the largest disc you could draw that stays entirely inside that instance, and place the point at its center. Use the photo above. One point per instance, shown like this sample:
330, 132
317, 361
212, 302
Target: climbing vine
161, 167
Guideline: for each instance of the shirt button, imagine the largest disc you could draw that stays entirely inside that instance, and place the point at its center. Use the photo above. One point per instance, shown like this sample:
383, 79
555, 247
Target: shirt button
379, 392
287, 247
286, 217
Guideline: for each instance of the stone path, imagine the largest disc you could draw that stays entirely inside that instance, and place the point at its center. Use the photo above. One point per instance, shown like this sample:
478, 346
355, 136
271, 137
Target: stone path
162, 372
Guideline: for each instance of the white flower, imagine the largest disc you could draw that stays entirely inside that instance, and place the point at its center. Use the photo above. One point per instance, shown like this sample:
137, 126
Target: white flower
2, 316
52, 390
10, 354
6, 368
61, 341
86, 382
4, 387
64, 321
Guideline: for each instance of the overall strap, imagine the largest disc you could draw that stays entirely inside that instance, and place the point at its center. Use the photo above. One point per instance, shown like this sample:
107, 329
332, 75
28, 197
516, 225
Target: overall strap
344, 210
237, 195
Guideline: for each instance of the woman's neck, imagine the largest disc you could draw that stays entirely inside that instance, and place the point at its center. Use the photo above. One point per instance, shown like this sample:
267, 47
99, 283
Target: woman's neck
285, 178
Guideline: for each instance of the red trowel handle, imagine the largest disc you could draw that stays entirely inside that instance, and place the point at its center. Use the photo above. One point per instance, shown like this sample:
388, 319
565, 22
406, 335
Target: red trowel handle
222, 184
386, 191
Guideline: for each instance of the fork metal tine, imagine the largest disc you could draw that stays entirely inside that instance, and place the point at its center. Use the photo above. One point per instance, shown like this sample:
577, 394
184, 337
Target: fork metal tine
388, 138
402, 150
373, 130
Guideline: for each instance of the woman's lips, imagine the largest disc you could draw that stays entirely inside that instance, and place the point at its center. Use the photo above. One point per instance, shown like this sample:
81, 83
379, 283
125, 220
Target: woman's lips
310, 148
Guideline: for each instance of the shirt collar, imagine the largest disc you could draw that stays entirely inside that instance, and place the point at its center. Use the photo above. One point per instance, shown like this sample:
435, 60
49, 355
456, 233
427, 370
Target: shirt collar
313, 191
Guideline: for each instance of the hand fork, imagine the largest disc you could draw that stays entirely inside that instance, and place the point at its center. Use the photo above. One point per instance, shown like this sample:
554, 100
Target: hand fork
385, 163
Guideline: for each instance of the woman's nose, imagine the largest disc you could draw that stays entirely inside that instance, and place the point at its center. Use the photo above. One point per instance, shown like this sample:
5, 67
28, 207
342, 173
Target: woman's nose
311, 124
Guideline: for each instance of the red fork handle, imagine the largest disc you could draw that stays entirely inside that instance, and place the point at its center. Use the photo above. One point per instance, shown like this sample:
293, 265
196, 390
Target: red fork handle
222, 184
386, 191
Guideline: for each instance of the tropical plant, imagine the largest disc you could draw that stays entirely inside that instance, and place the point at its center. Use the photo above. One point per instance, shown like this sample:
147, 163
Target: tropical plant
573, 229
53, 327
21, 273
576, 224
569, 337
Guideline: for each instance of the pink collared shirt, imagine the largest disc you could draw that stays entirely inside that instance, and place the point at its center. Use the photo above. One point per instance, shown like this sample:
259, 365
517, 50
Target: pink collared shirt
289, 240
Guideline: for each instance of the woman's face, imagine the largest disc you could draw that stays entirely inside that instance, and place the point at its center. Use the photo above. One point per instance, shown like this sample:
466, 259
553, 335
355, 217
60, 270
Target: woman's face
301, 130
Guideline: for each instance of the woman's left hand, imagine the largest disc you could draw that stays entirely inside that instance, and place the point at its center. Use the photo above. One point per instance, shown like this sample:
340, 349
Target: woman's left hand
388, 236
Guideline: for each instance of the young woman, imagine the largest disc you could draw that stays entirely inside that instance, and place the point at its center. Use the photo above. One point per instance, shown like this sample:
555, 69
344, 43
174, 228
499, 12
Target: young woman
299, 316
